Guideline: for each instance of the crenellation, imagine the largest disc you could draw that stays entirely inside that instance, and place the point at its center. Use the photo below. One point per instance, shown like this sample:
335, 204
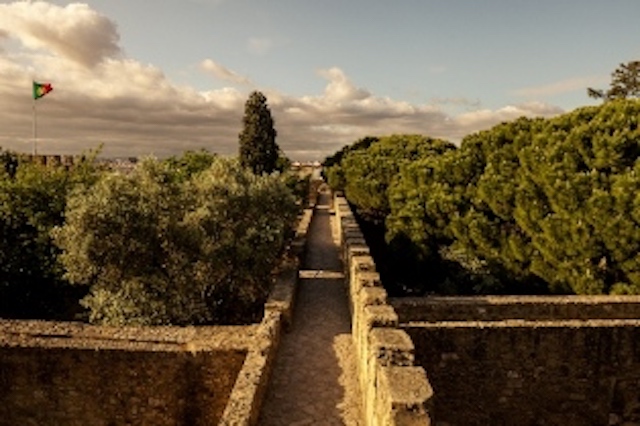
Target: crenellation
407, 397
394, 391
391, 346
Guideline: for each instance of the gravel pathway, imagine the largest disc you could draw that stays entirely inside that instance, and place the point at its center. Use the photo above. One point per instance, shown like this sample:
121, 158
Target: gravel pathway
314, 379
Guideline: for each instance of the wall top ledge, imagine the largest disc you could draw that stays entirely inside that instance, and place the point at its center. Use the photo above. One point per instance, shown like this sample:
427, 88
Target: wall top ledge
53, 334
515, 323
508, 300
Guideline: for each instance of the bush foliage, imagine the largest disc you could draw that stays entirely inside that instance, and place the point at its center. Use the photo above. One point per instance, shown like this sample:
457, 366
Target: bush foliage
529, 206
32, 203
156, 247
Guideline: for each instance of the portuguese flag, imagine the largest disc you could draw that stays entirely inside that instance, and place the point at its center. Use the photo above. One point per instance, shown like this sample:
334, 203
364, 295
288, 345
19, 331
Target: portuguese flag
41, 89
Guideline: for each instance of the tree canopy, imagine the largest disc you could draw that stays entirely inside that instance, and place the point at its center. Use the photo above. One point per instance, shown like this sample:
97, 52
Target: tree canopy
155, 247
625, 83
258, 148
529, 206
32, 202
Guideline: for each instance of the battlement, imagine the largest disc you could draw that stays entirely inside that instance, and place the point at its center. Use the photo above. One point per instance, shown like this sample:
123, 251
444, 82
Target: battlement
50, 160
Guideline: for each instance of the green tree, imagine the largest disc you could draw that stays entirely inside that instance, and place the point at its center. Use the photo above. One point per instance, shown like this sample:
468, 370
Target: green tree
625, 83
156, 249
190, 163
32, 202
578, 200
368, 173
332, 169
258, 148
531, 205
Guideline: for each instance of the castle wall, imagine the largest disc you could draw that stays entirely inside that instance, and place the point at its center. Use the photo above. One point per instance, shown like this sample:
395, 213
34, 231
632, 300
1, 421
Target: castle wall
394, 390
72, 374
572, 373
499, 308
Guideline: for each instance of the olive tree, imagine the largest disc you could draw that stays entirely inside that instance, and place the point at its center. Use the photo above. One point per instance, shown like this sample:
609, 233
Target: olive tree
155, 249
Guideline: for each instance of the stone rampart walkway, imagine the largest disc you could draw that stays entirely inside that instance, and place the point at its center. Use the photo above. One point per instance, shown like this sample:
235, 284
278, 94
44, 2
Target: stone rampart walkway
314, 379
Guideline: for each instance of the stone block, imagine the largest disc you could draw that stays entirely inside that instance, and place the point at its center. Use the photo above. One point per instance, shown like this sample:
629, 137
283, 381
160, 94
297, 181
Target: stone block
358, 282
404, 396
371, 292
367, 296
379, 316
390, 346
352, 248
282, 295
373, 316
352, 232
359, 264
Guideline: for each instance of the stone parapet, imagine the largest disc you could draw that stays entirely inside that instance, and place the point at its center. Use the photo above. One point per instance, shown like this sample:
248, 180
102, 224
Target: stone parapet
394, 391
569, 360
500, 308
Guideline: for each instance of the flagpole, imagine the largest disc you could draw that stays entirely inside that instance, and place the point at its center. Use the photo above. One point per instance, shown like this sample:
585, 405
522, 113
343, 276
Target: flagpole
35, 129
39, 90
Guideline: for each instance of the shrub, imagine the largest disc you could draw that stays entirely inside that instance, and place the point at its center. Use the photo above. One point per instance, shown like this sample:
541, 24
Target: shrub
32, 202
155, 249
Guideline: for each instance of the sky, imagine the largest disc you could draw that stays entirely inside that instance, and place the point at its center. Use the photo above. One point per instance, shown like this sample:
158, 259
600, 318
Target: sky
160, 77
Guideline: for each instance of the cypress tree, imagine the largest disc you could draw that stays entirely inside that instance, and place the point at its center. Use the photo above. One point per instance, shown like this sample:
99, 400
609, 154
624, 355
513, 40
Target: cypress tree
258, 148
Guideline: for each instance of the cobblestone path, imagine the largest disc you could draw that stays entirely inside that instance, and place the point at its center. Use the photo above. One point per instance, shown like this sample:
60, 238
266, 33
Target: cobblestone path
314, 379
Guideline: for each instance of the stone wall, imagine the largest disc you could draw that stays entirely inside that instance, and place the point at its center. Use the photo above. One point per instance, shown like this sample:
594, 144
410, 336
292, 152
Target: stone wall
528, 360
491, 360
498, 308
73, 374
394, 390
51, 160
63, 373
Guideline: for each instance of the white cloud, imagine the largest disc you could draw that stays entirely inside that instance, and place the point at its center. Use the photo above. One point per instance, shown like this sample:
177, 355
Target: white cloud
101, 96
568, 85
457, 103
223, 73
74, 32
340, 88
485, 118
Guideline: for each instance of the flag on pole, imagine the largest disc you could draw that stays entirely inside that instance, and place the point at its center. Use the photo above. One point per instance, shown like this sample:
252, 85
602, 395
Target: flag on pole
41, 89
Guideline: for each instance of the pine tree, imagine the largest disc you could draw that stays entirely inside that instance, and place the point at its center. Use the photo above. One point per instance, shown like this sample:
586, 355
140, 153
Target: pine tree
258, 148
625, 83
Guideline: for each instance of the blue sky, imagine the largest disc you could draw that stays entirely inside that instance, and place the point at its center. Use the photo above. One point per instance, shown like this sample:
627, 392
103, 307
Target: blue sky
333, 71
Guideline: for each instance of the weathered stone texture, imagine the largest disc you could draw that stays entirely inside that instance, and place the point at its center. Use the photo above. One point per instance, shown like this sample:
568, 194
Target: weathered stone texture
499, 308
394, 391
65, 386
573, 373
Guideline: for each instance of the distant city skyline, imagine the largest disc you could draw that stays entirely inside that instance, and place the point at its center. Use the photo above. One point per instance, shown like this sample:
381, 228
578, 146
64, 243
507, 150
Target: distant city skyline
161, 77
